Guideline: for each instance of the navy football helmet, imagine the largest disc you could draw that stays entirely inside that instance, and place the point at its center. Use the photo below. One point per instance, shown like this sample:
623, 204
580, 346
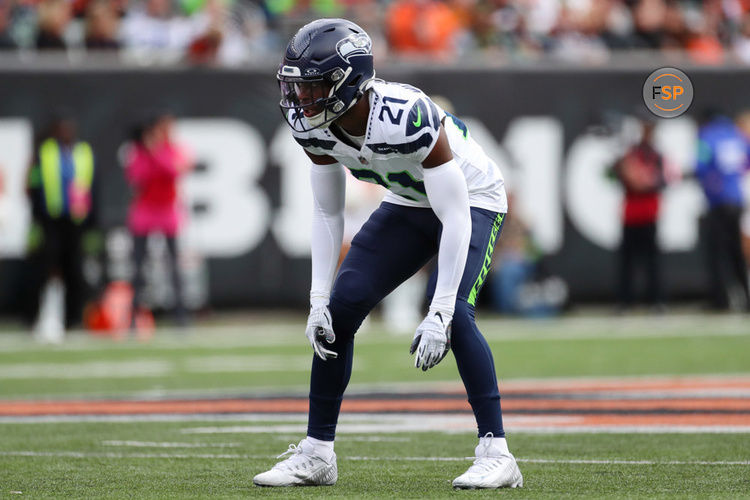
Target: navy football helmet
326, 68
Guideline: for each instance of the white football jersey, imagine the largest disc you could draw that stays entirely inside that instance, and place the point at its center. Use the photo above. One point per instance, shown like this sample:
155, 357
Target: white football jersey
402, 129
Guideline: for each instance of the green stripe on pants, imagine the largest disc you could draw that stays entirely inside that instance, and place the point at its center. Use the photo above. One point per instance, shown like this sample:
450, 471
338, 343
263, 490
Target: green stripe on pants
487, 260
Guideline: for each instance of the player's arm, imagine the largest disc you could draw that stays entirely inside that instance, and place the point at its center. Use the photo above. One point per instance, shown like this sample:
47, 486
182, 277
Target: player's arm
448, 195
328, 183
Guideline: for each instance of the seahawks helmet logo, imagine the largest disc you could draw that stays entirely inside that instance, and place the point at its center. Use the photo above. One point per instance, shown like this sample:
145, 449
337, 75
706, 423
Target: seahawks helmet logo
356, 44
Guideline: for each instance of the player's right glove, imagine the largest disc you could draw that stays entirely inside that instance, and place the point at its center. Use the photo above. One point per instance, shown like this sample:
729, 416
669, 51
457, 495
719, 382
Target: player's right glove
319, 329
432, 341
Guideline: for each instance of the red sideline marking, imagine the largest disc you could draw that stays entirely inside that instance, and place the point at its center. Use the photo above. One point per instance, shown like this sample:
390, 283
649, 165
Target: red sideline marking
510, 406
573, 399
620, 385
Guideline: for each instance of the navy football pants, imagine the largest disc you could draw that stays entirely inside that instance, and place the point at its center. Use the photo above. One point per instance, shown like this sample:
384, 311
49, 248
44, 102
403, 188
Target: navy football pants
394, 244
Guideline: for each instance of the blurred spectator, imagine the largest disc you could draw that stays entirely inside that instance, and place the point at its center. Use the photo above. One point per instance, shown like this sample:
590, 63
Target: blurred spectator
205, 48
742, 42
60, 189
155, 26
121, 7
703, 44
6, 41
54, 18
513, 266
422, 27
230, 33
641, 173
579, 33
722, 161
80, 7
236, 31
102, 23
650, 18
519, 283
248, 36
743, 122
675, 30
154, 166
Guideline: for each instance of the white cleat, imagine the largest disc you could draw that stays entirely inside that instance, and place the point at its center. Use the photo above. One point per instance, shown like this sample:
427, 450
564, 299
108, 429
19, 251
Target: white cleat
303, 468
492, 468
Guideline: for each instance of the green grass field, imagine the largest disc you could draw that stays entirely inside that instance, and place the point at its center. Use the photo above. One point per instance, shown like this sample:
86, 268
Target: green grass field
172, 457
80, 461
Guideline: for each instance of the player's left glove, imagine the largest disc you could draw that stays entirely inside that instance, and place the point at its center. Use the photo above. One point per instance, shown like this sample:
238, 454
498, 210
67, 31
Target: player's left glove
432, 341
320, 328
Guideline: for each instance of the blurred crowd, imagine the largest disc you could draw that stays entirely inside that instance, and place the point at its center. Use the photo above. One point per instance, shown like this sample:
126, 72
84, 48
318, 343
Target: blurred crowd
150, 31
235, 32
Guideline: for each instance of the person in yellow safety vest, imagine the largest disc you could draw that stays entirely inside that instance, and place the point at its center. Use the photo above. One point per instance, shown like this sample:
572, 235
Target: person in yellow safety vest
60, 188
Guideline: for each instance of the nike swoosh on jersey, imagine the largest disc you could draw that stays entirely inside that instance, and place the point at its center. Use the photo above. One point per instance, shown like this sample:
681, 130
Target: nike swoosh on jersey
418, 123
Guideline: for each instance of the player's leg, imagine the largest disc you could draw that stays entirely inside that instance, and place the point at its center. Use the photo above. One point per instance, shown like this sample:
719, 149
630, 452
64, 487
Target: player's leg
653, 266
139, 282
180, 312
715, 258
495, 466
473, 355
639, 261
736, 259
71, 268
46, 324
626, 268
42, 262
392, 245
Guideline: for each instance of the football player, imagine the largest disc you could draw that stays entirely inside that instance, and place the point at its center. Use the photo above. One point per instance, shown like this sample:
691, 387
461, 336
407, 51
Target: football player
445, 197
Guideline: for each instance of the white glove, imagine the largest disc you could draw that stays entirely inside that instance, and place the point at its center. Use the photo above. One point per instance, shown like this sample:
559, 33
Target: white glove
432, 341
319, 328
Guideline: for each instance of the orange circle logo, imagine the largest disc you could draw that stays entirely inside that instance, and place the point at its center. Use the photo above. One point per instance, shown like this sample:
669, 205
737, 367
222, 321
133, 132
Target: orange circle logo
668, 92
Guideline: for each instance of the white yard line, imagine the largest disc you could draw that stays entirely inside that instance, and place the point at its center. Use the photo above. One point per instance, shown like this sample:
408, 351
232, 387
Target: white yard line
415, 426
280, 333
633, 462
81, 454
632, 429
249, 363
212, 456
160, 444
380, 424
87, 369
388, 424
193, 417
160, 367
351, 439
